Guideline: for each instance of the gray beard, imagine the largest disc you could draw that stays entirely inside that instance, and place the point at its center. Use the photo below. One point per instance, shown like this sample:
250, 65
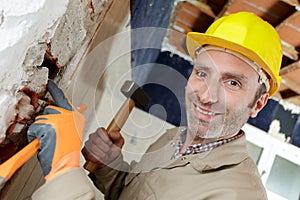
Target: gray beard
226, 126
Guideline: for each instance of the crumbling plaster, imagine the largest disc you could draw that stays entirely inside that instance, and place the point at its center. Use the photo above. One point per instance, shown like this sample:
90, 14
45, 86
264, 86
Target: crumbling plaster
28, 29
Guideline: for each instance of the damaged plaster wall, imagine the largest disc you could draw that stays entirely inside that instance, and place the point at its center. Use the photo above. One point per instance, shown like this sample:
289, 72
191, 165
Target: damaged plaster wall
24, 28
39, 39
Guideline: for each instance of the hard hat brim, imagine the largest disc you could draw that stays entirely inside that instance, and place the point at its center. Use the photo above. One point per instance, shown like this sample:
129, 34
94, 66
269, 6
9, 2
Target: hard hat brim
195, 39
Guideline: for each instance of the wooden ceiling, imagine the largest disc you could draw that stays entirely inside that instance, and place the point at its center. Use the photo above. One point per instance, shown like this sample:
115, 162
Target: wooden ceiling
284, 15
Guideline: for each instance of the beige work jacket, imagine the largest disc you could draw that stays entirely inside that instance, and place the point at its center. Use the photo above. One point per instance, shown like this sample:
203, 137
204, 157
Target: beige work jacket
226, 172
71, 185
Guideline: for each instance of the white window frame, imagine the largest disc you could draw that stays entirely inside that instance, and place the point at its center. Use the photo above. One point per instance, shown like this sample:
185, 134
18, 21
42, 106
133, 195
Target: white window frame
272, 147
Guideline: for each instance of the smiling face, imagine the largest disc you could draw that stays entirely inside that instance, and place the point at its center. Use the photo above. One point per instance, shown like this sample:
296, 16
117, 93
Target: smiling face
220, 94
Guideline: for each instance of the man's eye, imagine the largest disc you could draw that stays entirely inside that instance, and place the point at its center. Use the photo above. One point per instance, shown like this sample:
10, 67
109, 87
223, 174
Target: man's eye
201, 74
232, 84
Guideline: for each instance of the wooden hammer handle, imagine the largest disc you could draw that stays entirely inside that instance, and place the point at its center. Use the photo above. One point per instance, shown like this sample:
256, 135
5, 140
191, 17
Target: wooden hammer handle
115, 125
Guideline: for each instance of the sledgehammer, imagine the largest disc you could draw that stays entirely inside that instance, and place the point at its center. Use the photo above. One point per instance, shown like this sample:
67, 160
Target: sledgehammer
136, 96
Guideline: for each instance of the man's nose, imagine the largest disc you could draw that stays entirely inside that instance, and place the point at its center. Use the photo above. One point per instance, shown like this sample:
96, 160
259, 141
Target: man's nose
211, 92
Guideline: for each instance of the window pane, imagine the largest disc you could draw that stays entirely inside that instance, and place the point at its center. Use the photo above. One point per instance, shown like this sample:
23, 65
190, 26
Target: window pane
284, 179
254, 151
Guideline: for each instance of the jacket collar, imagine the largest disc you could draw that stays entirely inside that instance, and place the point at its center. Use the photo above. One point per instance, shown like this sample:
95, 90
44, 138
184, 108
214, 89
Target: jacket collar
231, 153
161, 154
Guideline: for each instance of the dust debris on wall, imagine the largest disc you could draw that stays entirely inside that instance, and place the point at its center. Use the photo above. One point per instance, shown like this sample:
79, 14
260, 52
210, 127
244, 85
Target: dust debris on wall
40, 40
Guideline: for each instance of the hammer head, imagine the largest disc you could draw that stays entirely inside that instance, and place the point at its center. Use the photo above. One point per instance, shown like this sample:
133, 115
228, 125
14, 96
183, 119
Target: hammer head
132, 90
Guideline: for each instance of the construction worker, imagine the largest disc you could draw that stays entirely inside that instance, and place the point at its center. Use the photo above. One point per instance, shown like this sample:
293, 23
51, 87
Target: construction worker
236, 68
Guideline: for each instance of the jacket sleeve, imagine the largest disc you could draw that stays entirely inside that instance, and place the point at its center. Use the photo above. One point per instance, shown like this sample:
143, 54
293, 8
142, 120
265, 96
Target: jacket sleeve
71, 185
110, 179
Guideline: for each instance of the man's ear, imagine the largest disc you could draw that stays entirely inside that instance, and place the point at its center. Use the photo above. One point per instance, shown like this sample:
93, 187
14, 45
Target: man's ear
260, 103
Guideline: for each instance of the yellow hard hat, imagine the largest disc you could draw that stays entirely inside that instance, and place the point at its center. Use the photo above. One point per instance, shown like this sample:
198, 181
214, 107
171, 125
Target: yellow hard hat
247, 34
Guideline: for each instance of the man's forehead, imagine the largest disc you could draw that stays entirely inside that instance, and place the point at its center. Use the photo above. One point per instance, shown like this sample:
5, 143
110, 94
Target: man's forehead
214, 64
221, 59
207, 52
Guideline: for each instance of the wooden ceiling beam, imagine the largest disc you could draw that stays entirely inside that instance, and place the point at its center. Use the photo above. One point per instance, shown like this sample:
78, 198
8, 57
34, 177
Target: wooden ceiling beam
294, 100
291, 84
289, 51
290, 68
291, 2
203, 7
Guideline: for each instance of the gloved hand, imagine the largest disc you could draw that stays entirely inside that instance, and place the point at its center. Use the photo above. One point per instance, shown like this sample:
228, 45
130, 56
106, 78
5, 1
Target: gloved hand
59, 131
103, 148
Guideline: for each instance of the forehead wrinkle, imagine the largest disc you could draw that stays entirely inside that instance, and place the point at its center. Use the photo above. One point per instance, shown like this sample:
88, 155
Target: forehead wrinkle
212, 61
203, 67
239, 77
207, 62
225, 74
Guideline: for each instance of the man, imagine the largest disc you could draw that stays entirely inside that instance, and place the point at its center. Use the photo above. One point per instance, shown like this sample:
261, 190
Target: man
236, 67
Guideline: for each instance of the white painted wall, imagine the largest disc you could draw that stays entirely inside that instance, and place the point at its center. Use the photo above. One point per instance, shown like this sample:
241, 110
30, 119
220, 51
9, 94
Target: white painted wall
23, 25
27, 29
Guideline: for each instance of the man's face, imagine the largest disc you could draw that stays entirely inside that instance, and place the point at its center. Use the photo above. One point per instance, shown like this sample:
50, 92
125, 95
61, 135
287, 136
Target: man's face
219, 93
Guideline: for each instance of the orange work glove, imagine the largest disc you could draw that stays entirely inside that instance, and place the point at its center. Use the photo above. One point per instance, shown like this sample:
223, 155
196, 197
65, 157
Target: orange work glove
59, 131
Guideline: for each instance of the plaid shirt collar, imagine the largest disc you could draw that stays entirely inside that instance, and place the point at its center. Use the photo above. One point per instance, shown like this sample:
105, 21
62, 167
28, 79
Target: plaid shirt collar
200, 148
